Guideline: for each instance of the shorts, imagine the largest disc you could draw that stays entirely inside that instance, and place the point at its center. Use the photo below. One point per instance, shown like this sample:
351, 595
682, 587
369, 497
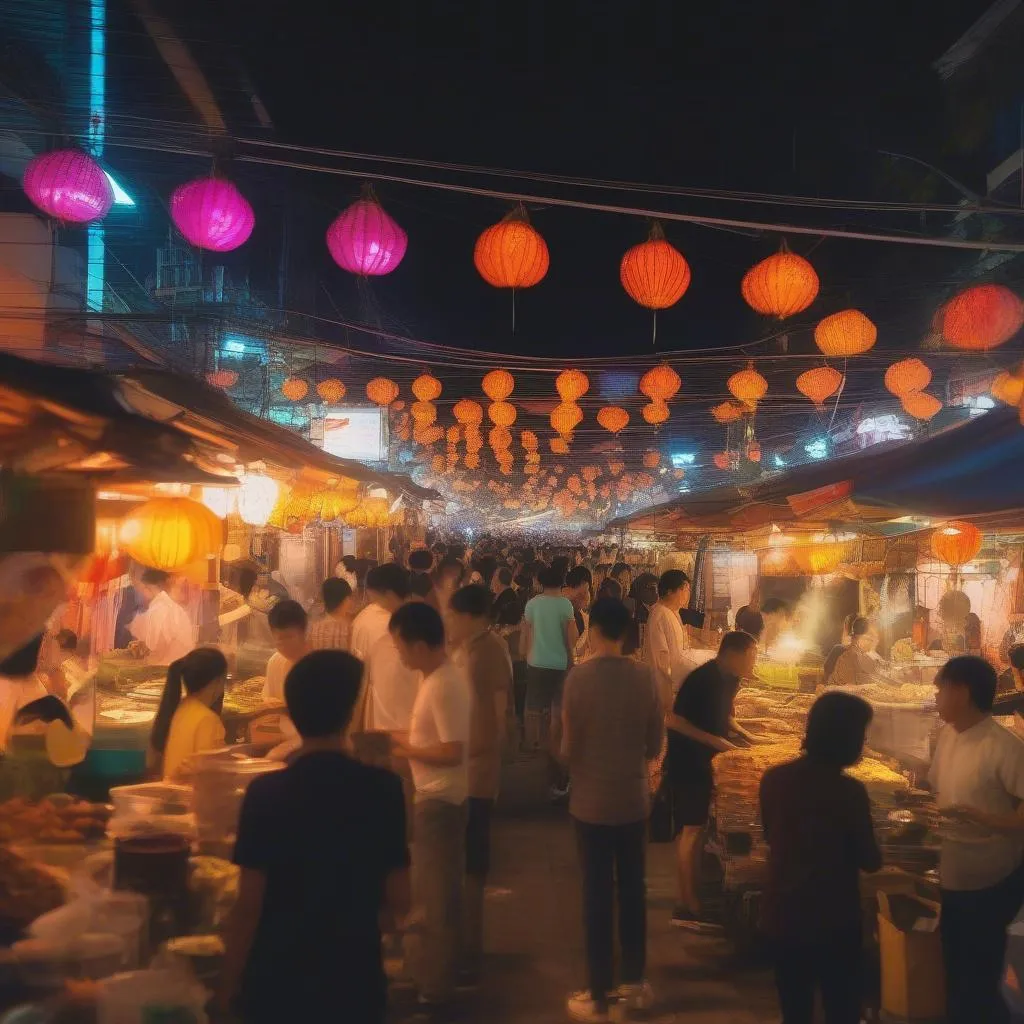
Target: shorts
691, 802
544, 688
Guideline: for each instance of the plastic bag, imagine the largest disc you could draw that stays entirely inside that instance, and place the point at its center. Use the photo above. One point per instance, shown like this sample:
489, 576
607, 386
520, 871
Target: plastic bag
140, 997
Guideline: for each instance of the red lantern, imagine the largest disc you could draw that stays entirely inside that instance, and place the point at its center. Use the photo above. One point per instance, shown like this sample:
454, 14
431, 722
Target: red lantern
222, 378
982, 317
511, 254
654, 273
212, 214
295, 389
781, 286
502, 414
69, 186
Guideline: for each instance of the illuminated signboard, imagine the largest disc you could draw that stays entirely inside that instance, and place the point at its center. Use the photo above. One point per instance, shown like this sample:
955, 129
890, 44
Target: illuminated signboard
356, 433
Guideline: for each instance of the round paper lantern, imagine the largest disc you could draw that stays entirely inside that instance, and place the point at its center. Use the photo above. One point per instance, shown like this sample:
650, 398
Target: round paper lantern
529, 440
294, 389
331, 390
754, 451
844, 334
451, 435
612, 418
655, 413
651, 459
426, 388
381, 391
169, 533
423, 413
1008, 388
654, 273
437, 464
222, 378
68, 185
565, 418
572, 385
511, 254
364, 240
502, 414
907, 376
956, 543
722, 460
426, 434
559, 446
727, 412
748, 386
212, 214
466, 411
660, 383
471, 460
498, 385
982, 317
781, 286
820, 383
921, 405
500, 439
257, 497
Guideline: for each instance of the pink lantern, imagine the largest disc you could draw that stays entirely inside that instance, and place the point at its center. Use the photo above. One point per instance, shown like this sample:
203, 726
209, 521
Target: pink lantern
68, 185
212, 214
365, 240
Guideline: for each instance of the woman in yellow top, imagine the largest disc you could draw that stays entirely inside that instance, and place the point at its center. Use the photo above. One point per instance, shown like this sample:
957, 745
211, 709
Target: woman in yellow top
186, 727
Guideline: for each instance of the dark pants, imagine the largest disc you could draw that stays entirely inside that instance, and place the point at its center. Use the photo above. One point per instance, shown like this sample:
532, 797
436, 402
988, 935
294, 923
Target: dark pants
831, 964
974, 927
478, 864
613, 857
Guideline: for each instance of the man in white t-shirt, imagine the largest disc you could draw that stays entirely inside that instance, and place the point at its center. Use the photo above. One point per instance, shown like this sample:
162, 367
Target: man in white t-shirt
437, 747
977, 775
665, 640
164, 628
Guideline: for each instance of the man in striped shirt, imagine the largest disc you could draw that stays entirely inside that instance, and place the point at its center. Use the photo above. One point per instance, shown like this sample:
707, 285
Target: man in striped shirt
332, 632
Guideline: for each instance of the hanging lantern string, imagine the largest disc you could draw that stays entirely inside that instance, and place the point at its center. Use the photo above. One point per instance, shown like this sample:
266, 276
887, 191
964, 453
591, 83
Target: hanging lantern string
839, 394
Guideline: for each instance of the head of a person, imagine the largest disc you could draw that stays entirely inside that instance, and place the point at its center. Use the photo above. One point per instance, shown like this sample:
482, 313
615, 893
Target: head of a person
153, 582
501, 580
450, 573
421, 560
349, 561
577, 585
337, 597
609, 626
523, 581
287, 621
837, 725
320, 691
775, 612
750, 621
388, 584
418, 632
67, 641
1015, 656
201, 674
421, 586
860, 632
551, 577
674, 589
623, 575
737, 654
964, 686
469, 612
610, 589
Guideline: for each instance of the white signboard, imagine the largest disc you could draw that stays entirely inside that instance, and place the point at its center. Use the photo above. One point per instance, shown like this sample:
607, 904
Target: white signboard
356, 433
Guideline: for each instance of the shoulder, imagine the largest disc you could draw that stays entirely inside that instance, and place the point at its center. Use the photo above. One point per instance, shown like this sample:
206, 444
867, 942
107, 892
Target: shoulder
1008, 743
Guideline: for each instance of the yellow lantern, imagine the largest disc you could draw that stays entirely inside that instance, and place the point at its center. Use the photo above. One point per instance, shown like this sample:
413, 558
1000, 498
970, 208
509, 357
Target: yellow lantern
747, 386
498, 385
572, 385
502, 414
170, 533
426, 388
660, 383
500, 439
956, 543
381, 391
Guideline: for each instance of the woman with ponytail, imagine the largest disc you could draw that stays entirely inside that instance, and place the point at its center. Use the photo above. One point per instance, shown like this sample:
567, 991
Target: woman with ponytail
186, 727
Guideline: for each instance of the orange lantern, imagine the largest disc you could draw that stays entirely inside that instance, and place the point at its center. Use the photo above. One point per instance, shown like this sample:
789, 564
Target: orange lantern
727, 412
956, 543
655, 413
474, 442
511, 254
381, 391
498, 385
748, 386
983, 317
451, 435
331, 390
921, 405
590, 473
612, 418
754, 451
437, 464
651, 458
472, 460
424, 413
844, 334
820, 383
426, 388
169, 533
781, 286
467, 411
907, 376
572, 385
660, 383
565, 418
559, 446
294, 389
528, 439
1008, 388
500, 439
722, 460
503, 414
654, 273
222, 378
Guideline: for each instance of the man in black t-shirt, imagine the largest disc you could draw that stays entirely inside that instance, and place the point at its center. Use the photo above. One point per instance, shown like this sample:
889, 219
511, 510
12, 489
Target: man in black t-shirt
323, 854
698, 725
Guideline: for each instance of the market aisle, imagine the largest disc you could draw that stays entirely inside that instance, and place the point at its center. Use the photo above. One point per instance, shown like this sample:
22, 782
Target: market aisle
534, 938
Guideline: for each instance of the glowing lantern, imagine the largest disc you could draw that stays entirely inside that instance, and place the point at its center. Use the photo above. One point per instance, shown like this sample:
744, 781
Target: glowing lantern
294, 389
468, 412
498, 385
825, 557
921, 405
727, 412
381, 391
655, 413
1008, 388
502, 414
572, 385
754, 451
69, 186
331, 390
654, 273
651, 459
612, 418
511, 254
722, 460
423, 413
907, 376
747, 386
660, 383
500, 439
451, 435
956, 543
559, 446
219, 500
335, 502
426, 435
565, 418
781, 286
590, 473
212, 214
820, 383
844, 334
528, 439
982, 317
437, 464
426, 388
222, 379
472, 460
256, 498
364, 240
169, 533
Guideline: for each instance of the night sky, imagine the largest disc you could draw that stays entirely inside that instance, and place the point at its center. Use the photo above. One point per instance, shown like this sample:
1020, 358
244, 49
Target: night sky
787, 97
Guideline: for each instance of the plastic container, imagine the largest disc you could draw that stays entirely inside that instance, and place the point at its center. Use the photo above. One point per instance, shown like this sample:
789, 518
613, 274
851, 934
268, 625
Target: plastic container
156, 866
95, 955
221, 779
142, 997
152, 798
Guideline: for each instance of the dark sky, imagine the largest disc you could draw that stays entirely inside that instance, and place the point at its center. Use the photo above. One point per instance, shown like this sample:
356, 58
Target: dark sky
784, 97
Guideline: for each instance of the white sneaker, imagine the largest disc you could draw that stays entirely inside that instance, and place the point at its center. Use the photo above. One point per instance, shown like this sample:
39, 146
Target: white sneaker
636, 997
583, 1007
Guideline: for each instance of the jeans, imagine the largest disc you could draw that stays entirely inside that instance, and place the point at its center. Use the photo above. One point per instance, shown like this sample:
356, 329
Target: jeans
613, 856
829, 963
438, 858
478, 864
973, 925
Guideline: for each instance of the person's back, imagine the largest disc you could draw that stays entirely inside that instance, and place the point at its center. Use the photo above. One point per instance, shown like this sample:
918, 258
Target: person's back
547, 614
